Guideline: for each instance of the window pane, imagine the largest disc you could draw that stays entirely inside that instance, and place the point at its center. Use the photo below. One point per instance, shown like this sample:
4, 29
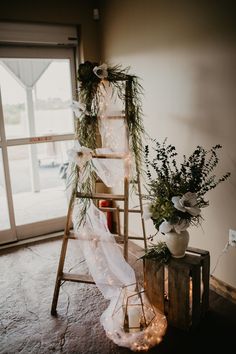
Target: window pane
4, 216
38, 181
14, 105
36, 97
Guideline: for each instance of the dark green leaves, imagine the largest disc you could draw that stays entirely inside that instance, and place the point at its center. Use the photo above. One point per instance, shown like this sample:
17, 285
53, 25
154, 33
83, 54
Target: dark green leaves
85, 72
159, 252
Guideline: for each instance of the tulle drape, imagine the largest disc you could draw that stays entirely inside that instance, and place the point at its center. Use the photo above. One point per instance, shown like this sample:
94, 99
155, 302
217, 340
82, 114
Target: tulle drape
103, 256
108, 267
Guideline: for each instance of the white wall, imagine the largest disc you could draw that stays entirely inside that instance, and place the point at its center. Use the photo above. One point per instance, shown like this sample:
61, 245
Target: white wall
185, 54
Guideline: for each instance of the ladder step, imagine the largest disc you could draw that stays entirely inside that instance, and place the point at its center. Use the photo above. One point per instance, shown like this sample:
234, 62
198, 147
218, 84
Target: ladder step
119, 209
108, 209
131, 210
118, 238
105, 196
72, 236
80, 278
135, 238
109, 156
116, 117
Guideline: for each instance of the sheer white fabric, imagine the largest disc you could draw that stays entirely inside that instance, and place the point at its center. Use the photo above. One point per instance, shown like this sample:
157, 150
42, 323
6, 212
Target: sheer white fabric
103, 256
111, 273
111, 171
109, 269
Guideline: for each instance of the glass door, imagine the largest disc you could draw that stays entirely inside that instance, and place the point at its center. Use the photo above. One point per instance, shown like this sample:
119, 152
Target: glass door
37, 128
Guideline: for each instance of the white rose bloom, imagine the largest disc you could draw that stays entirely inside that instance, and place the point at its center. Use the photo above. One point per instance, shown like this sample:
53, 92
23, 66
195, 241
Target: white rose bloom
187, 203
147, 211
80, 155
182, 225
165, 227
101, 71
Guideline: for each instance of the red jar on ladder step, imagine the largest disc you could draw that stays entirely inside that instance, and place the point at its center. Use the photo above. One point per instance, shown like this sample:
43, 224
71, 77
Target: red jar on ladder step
106, 204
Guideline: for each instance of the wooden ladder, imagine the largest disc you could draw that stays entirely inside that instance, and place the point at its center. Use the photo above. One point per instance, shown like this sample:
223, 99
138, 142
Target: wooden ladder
82, 278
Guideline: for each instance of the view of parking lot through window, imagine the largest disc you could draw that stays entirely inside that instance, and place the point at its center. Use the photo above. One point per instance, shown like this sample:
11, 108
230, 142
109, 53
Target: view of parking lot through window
36, 102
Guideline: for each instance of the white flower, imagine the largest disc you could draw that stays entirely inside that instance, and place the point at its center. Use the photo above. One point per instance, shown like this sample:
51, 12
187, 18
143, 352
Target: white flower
101, 71
165, 227
80, 155
187, 203
147, 211
182, 225
79, 109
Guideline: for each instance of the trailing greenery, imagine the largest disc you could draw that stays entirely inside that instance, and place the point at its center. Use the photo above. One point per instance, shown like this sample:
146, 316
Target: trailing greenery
126, 87
86, 187
91, 78
159, 252
176, 192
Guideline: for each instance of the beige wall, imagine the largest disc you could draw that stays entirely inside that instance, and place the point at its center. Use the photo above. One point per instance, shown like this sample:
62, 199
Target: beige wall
76, 12
186, 57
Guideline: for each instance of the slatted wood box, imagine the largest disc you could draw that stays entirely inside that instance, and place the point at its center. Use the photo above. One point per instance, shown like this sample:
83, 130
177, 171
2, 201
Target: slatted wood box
181, 288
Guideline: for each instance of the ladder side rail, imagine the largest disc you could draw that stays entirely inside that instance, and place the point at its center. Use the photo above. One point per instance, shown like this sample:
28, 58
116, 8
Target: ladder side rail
62, 255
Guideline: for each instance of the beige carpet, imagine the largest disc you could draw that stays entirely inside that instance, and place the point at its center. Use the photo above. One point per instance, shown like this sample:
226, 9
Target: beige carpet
26, 326
27, 279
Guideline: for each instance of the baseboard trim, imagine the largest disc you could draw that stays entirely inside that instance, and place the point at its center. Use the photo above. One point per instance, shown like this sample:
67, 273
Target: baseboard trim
223, 289
30, 241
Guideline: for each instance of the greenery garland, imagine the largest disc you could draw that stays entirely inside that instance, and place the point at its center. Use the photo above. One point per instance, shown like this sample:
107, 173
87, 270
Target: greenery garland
91, 78
127, 88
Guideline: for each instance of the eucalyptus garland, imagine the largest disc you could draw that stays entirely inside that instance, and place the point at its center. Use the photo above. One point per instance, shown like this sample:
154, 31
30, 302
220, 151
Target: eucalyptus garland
91, 79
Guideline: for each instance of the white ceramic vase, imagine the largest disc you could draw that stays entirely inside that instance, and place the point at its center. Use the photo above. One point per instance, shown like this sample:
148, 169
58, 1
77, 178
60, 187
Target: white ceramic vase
177, 243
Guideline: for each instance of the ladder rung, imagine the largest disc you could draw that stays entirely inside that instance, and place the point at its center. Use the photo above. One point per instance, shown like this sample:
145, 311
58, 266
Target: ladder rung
132, 237
80, 278
109, 156
118, 238
108, 209
118, 209
105, 196
72, 236
135, 238
131, 210
116, 117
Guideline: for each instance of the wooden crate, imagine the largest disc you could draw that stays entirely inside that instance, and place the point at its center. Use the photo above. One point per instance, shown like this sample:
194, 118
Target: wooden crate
181, 288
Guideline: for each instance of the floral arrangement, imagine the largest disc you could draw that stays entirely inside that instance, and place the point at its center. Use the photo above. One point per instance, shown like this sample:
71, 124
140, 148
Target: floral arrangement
176, 192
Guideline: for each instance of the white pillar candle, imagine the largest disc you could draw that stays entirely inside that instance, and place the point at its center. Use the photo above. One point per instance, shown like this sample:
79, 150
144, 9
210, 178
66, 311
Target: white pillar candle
134, 316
